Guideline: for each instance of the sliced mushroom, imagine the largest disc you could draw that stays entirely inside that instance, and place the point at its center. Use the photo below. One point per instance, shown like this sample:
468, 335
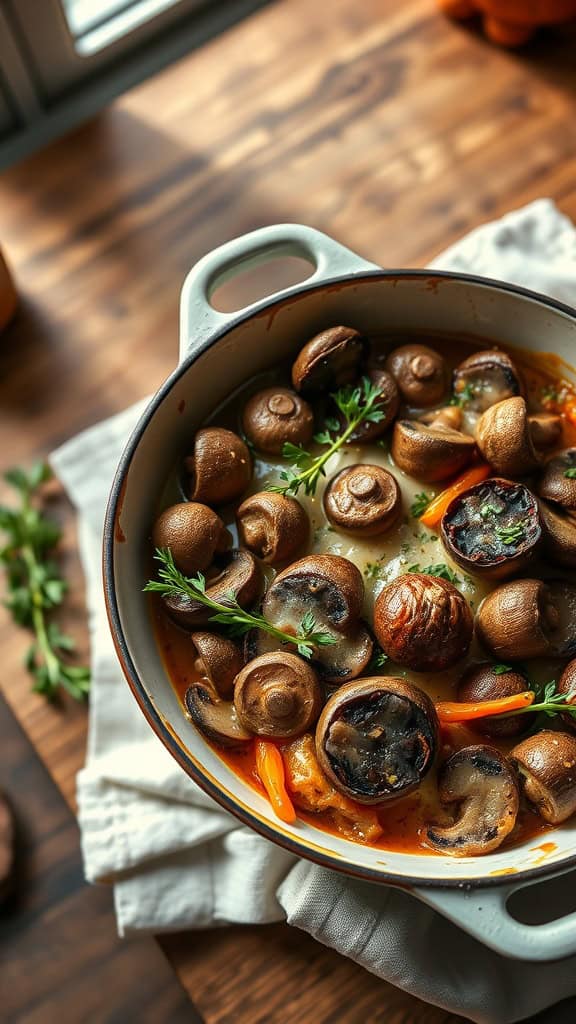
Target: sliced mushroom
376, 738
388, 404
482, 682
277, 695
237, 573
545, 430
546, 764
329, 360
430, 453
485, 378
567, 686
422, 622
528, 619
220, 468
274, 527
558, 534
217, 719
558, 480
218, 660
275, 416
194, 534
421, 374
493, 529
449, 416
504, 438
480, 785
363, 500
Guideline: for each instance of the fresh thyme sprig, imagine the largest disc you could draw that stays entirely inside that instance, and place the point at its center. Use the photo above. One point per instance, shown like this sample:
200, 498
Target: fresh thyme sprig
173, 583
35, 586
511, 534
548, 701
360, 404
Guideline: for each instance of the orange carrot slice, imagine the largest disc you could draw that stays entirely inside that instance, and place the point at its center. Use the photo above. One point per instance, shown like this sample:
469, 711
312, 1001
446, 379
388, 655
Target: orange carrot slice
462, 711
270, 768
437, 507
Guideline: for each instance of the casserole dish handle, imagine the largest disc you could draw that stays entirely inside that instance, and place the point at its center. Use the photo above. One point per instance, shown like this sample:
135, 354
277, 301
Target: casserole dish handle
198, 318
484, 914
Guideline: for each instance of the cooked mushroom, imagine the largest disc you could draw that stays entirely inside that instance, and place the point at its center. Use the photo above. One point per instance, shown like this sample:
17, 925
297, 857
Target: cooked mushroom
449, 416
217, 719
546, 764
237, 573
545, 430
558, 480
364, 500
376, 738
529, 619
422, 622
485, 378
218, 660
194, 534
277, 695
274, 416
329, 360
483, 682
274, 527
567, 686
492, 529
421, 374
388, 404
504, 438
480, 785
220, 468
430, 453
330, 589
558, 534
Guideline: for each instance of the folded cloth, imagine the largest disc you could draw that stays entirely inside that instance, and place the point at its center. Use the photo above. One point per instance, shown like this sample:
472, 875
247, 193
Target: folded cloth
176, 860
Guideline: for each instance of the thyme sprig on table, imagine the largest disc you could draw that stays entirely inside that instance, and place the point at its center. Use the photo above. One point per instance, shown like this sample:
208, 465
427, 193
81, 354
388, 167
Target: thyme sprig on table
360, 404
173, 583
35, 586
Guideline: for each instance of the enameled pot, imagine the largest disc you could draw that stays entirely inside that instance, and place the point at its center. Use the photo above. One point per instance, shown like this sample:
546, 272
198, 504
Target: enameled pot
218, 353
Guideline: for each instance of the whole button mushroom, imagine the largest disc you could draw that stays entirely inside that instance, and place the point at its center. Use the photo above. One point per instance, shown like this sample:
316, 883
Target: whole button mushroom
376, 738
216, 718
277, 695
274, 527
238, 573
220, 468
193, 533
546, 764
557, 482
479, 783
567, 686
504, 437
275, 416
363, 500
430, 453
558, 534
528, 618
422, 622
485, 378
218, 660
329, 360
482, 682
421, 374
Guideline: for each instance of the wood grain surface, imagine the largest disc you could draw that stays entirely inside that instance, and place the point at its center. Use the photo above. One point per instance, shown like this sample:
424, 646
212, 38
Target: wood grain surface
382, 124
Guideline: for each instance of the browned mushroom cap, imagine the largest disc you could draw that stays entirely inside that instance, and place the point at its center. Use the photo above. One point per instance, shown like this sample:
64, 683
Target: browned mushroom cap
545, 430
377, 738
492, 529
194, 534
546, 764
237, 573
558, 480
504, 438
485, 378
217, 719
421, 374
567, 686
558, 534
388, 404
480, 784
422, 622
487, 682
329, 360
274, 527
218, 660
277, 695
220, 468
449, 416
528, 619
430, 453
363, 500
277, 415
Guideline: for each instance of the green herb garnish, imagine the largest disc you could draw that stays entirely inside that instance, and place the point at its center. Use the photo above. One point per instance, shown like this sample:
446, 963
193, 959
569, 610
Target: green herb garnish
549, 702
466, 394
511, 534
500, 670
377, 661
420, 504
372, 570
571, 473
488, 510
441, 570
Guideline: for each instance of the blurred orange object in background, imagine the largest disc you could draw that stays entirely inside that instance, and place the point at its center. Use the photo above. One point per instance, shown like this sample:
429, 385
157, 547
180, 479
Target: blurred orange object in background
8, 296
511, 22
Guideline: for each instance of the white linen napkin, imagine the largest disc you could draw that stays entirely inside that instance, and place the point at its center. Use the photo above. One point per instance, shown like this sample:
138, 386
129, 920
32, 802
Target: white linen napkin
176, 860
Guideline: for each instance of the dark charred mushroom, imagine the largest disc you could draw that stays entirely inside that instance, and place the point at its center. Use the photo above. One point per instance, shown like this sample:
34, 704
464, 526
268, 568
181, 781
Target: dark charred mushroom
237, 573
194, 534
486, 378
504, 438
220, 468
546, 764
420, 373
482, 682
277, 695
277, 415
377, 738
567, 686
217, 719
218, 660
274, 527
329, 360
449, 416
492, 529
422, 622
388, 403
364, 500
430, 453
558, 480
529, 619
480, 785
558, 534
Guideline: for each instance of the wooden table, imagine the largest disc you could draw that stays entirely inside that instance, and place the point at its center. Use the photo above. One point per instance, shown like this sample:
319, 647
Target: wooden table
384, 125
